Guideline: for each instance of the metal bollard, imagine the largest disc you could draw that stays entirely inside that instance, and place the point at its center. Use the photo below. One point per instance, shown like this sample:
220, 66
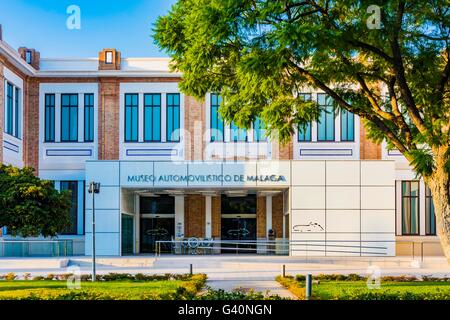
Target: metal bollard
190, 269
308, 287
284, 271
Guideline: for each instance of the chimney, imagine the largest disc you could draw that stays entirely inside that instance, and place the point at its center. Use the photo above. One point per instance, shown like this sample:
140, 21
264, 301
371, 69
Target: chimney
1, 33
109, 59
31, 56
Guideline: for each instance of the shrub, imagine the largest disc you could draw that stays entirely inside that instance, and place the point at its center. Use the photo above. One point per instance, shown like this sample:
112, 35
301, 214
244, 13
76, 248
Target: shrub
221, 294
292, 285
50, 276
10, 276
38, 278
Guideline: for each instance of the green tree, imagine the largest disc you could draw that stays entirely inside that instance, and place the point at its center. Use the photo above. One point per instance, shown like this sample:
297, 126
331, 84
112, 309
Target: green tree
387, 63
30, 206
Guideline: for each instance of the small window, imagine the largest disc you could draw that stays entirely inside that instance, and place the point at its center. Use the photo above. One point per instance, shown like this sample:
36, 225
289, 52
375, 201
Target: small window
410, 207
152, 117
325, 126
304, 130
49, 118
88, 117
216, 120
259, 130
347, 126
9, 114
430, 217
109, 57
28, 57
173, 117
131, 117
238, 134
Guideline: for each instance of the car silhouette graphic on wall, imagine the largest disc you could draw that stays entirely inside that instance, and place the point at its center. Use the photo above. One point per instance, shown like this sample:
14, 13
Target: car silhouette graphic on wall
241, 232
310, 227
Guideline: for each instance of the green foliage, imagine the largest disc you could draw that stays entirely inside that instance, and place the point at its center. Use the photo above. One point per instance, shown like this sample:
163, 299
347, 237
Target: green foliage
30, 206
221, 294
354, 287
259, 54
110, 289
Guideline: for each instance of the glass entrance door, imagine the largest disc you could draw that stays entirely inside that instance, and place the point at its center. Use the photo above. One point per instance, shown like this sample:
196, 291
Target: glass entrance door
157, 222
238, 224
237, 230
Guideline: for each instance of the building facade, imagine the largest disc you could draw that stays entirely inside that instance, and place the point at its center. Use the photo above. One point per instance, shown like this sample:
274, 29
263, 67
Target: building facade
171, 169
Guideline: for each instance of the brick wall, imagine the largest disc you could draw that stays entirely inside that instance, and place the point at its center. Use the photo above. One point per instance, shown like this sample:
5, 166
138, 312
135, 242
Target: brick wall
282, 151
277, 215
31, 124
261, 217
194, 216
194, 122
367, 149
216, 217
108, 124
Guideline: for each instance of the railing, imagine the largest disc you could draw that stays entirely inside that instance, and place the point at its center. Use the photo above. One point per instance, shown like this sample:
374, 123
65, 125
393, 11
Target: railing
197, 246
36, 248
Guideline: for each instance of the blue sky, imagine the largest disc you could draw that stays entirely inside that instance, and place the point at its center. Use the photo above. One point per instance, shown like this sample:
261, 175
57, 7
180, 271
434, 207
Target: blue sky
122, 24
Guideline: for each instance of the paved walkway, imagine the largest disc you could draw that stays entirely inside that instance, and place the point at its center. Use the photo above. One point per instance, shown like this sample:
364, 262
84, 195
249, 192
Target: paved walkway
269, 287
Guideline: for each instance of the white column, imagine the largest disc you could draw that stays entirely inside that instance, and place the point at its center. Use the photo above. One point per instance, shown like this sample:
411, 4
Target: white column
422, 188
208, 215
268, 214
179, 216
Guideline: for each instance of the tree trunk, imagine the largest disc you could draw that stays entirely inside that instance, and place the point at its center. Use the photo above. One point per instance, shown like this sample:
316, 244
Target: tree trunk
438, 183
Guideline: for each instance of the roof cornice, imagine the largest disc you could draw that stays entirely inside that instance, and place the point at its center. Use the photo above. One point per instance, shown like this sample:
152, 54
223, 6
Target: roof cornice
14, 57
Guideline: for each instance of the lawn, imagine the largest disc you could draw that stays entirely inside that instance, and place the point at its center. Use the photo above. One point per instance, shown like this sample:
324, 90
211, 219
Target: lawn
358, 290
107, 290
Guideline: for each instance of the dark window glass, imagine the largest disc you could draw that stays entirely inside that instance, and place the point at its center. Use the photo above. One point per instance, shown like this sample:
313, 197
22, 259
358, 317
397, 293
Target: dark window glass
28, 57
131, 117
259, 131
72, 186
430, 216
239, 205
325, 126
69, 117
9, 109
304, 131
50, 118
16, 113
89, 117
152, 117
163, 204
238, 134
173, 117
410, 207
216, 120
347, 126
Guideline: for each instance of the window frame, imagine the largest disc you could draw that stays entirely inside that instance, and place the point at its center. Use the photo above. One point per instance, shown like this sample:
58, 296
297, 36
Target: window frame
109, 54
308, 126
70, 106
89, 118
333, 114
173, 107
131, 122
346, 123
410, 213
46, 120
9, 109
215, 130
74, 228
260, 129
152, 108
239, 130
429, 209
